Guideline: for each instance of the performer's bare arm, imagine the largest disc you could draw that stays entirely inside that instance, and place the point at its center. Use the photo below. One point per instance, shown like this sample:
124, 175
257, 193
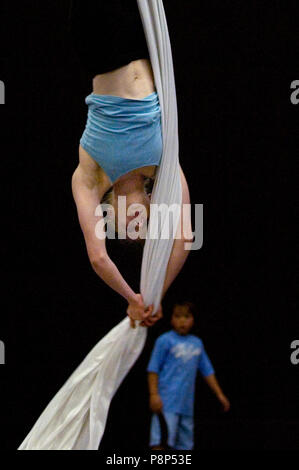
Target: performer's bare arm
88, 191
179, 254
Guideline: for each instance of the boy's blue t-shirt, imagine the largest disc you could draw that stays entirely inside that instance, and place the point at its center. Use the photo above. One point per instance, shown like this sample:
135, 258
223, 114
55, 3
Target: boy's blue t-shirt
176, 359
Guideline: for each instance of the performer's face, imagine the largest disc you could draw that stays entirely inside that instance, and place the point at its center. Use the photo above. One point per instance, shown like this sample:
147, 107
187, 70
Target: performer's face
182, 319
137, 209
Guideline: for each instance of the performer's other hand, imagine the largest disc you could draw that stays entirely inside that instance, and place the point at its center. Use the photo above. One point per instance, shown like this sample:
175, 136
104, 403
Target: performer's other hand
156, 403
136, 309
149, 319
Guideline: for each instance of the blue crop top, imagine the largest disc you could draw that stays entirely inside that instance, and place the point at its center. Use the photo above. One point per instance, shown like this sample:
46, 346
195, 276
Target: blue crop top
123, 134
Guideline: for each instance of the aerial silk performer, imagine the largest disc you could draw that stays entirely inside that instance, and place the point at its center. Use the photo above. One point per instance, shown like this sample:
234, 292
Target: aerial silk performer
75, 418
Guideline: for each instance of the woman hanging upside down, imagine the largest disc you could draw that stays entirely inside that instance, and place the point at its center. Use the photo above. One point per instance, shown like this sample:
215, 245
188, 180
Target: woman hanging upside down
121, 146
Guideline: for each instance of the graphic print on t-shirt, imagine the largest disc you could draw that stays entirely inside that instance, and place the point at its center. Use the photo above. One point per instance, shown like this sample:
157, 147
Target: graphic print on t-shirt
185, 351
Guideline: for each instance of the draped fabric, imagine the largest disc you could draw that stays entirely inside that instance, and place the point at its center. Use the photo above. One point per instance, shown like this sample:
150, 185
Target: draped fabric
75, 418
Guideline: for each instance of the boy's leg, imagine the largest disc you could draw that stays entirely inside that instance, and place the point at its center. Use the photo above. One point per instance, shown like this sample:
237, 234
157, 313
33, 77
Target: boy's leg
155, 432
185, 435
172, 421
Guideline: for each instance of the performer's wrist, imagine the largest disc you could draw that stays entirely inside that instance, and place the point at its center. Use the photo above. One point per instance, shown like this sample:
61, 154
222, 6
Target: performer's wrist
132, 298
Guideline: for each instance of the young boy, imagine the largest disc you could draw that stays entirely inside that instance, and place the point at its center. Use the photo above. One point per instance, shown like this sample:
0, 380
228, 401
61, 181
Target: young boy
172, 370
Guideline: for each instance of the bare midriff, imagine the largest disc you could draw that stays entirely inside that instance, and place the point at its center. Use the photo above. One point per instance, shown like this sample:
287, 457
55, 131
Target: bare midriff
134, 80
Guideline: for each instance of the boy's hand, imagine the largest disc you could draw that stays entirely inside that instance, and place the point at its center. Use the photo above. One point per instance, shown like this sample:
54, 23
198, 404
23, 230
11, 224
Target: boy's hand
224, 402
156, 403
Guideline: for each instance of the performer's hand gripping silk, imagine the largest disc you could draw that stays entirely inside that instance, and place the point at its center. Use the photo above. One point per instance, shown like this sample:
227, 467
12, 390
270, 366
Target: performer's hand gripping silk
131, 134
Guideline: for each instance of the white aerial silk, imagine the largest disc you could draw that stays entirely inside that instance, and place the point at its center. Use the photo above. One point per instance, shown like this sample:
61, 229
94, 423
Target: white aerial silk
75, 418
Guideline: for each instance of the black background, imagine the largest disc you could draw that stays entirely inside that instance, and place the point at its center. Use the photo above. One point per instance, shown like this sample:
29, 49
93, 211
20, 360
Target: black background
234, 63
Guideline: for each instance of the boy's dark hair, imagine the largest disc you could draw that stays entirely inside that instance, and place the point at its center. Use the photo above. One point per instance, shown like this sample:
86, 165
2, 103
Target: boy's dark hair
186, 303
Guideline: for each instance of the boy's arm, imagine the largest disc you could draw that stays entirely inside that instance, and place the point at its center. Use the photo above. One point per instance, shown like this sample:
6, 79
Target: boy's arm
156, 403
153, 379
154, 367
207, 371
215, 387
